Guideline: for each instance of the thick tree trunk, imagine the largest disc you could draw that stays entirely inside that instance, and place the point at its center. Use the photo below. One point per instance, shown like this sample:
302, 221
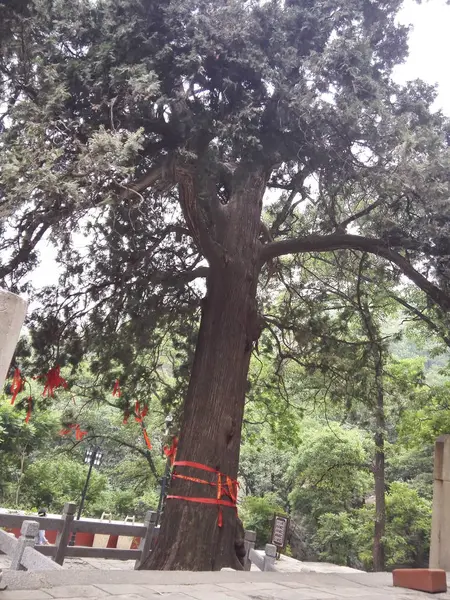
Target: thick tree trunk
190, 538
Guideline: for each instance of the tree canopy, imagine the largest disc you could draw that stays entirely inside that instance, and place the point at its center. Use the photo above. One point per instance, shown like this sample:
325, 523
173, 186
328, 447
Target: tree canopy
155, 143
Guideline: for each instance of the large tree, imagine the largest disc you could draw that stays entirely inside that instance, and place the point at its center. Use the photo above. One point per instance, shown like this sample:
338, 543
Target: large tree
143, 138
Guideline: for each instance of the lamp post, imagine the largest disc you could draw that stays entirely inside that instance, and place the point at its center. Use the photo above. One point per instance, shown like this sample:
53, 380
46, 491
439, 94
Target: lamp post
164, 480
93, 456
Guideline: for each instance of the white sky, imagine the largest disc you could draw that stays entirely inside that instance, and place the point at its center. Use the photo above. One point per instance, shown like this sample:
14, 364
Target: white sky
429, 45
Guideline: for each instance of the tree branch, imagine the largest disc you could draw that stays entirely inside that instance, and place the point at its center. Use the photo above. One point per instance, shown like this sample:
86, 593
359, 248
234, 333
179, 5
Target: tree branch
362, 213
180, 278
328, 243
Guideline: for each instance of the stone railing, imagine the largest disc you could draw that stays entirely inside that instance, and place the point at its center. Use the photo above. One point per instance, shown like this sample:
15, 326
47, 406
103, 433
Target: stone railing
21, 551
264, 562
66, 526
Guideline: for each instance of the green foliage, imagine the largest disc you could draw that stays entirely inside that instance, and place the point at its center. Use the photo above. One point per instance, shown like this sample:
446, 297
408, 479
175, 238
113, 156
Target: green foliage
329, 471
41, 467
257, 515
346, 538
336, 539
408, 526
52, 481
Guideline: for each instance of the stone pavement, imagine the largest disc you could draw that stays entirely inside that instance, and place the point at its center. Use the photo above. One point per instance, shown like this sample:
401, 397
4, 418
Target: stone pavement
285, 564
224, 585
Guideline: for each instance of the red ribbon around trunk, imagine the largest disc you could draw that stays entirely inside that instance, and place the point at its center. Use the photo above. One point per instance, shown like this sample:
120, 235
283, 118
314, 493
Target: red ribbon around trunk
116, 390
225, 486
53, 380
17, 384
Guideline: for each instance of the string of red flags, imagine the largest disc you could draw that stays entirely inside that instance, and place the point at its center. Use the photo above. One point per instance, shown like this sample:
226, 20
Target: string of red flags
139, 413
18, 384
53, 380
79, 433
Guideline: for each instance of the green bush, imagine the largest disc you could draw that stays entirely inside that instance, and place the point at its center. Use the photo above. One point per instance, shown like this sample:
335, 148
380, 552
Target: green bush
347, 538
54, 481
257, 515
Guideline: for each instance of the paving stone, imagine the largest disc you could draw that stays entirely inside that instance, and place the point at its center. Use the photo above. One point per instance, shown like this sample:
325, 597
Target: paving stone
343, 592
218, 594
171, 588
75, 591
162, 596
295, 585
252, 587
122, 597
24, 595
116, 589
206, 591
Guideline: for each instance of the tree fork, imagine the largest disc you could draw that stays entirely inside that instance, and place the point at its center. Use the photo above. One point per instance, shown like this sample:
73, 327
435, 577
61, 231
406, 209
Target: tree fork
214, 405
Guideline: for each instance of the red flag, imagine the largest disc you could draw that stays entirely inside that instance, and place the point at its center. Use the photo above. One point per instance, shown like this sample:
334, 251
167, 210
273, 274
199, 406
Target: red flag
146, 438
53, 380
116, 389
17, 384
30, 409
79, 433
66, 431
140, 414
172, 451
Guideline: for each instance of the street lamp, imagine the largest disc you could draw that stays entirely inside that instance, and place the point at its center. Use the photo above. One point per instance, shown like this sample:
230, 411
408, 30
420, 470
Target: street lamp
165, 479
93, 456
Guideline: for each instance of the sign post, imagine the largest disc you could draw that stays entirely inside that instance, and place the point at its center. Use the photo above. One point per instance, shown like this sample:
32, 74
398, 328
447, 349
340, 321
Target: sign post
280, 531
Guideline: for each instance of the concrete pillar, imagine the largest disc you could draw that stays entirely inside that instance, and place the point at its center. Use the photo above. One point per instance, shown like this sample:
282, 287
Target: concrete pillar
63, 536
440, 525
270, 557
249, 544
28, 534
12, 315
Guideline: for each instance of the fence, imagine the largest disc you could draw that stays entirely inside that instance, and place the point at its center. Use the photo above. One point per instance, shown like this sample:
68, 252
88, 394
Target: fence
264, 562
24, 556
66, 526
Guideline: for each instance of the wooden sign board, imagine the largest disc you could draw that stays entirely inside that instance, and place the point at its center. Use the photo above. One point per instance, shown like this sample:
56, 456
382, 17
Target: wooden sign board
280, 531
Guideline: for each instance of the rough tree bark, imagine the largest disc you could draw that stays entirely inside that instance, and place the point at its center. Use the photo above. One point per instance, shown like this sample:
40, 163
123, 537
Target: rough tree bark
214, 405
